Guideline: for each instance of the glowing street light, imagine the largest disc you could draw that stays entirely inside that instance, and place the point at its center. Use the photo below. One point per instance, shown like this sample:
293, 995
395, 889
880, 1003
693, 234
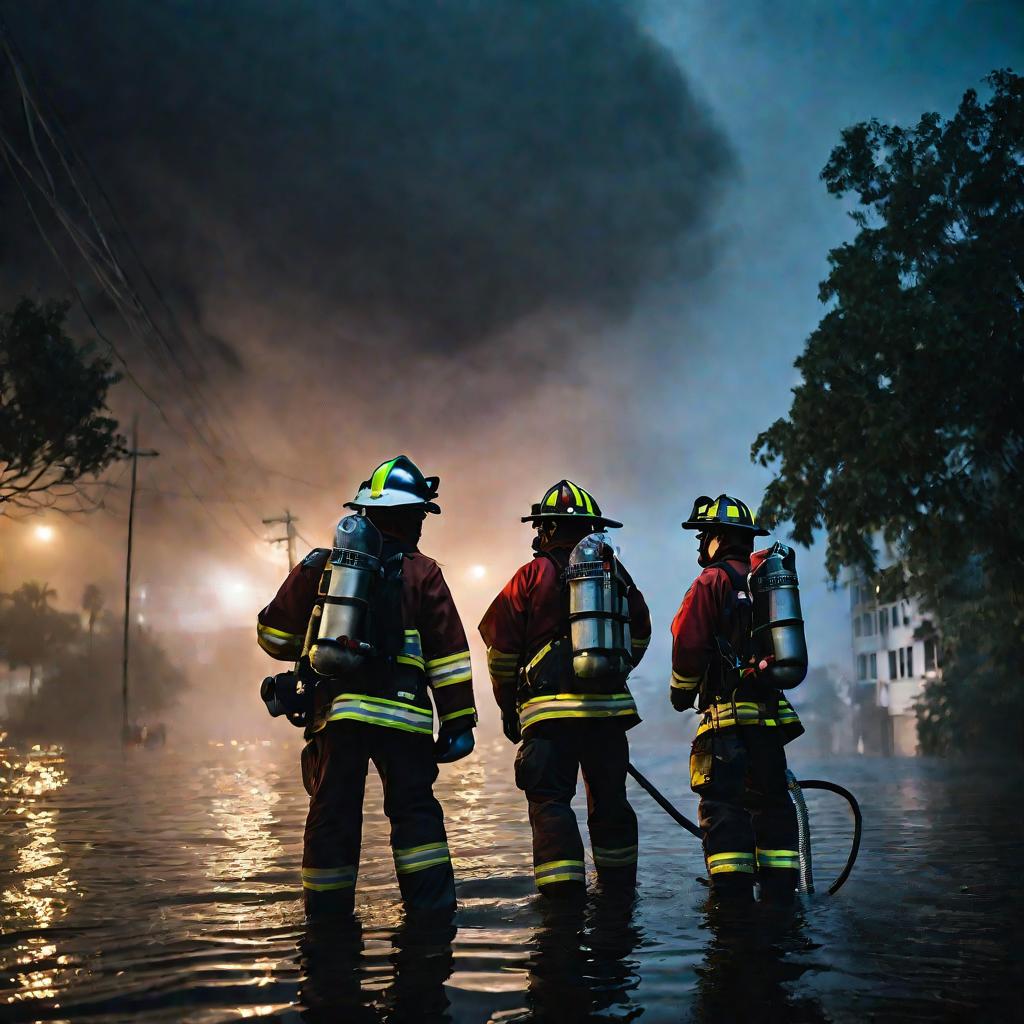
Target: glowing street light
478, 572
44, 533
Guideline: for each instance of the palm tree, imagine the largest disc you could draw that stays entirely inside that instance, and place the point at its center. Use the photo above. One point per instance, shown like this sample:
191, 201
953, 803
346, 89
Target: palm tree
92, 604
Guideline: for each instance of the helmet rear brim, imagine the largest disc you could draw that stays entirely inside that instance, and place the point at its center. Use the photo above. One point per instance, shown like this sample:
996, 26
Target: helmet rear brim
712, 524
600, 521
427, 506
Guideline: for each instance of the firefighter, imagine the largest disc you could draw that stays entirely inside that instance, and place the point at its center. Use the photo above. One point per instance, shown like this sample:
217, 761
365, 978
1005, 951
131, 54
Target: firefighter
566, 722
737, 763
380, 712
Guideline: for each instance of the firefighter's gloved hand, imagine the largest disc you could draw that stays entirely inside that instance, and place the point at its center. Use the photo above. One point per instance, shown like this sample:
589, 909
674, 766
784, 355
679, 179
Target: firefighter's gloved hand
454, 742
510, 722
682, 700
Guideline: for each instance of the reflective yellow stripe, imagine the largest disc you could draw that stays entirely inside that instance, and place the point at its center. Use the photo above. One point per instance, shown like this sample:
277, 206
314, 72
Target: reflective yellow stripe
623, 856
417, 858
732, 860
552, 498
461, 677
640, 641
732, 512
576, 705
270, 631
325, 879
458, 714
577, 497
539, 656
389, 714
447, 659
559, 871
380, 478
684, 682
778, 859
745, 713
587, 501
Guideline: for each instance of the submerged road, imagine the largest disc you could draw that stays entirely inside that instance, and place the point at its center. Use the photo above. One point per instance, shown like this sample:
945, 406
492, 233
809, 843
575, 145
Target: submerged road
162, 886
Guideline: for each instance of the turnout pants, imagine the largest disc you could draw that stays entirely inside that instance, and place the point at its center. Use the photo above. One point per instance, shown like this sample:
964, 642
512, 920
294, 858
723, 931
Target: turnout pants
334, 766
552, 754
748, 818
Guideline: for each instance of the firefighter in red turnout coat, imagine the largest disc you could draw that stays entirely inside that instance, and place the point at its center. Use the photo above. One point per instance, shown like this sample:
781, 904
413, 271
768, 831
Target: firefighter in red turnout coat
737, 764
568, 701
377, 707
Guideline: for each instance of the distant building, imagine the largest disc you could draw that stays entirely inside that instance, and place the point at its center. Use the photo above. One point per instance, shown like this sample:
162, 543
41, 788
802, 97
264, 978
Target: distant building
890, 667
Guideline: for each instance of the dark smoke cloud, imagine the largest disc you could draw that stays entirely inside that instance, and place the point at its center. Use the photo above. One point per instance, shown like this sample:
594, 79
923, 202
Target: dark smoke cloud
445, 167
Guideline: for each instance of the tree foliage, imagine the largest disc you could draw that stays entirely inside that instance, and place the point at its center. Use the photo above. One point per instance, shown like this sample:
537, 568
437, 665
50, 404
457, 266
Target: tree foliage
906, 424
77, 673
53, 424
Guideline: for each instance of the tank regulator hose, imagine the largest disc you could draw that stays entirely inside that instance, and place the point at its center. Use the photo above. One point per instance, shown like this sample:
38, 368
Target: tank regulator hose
804, 832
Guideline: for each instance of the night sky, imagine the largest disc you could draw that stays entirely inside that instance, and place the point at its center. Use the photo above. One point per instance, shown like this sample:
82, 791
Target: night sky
516, 241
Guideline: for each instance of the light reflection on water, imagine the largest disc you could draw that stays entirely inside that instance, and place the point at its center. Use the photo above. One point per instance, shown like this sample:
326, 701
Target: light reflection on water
162, 886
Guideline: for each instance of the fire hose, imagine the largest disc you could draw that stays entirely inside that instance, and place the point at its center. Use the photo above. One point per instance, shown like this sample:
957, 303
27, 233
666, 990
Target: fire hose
796, 789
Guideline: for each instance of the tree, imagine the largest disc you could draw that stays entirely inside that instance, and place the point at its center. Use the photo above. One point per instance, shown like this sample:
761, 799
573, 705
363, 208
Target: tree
53, 393
906, 422
32, 631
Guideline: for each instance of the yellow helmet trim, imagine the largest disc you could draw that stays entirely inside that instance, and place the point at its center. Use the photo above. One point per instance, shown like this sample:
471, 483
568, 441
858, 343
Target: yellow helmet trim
380, 478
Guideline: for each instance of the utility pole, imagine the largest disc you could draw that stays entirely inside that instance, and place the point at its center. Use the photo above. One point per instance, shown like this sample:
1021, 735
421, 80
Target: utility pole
288, 521
135, 454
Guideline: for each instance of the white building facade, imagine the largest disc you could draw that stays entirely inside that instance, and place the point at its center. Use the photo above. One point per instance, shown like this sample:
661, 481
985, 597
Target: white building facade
890, 665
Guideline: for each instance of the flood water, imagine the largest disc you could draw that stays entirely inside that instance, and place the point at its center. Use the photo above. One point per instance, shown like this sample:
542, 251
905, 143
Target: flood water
163, 886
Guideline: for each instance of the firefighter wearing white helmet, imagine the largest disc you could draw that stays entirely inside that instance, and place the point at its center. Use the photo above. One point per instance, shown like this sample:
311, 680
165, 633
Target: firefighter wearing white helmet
375, 692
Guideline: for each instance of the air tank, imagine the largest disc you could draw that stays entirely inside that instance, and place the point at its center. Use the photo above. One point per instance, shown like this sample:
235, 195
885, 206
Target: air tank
780, 648
598, 615
355, 567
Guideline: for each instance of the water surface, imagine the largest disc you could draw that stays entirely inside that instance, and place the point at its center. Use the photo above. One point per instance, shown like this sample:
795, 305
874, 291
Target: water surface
162, 886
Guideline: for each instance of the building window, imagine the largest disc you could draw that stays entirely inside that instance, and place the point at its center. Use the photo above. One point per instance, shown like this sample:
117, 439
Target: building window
892, 664
883, 622
853, 596
873, 665
930, 658
858, 626
862, 666
869, 624
903, 663
910, 662
895, 617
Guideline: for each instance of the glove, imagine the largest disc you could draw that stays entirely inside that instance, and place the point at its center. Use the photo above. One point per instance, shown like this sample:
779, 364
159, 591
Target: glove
682, 700
510, 722
454, 742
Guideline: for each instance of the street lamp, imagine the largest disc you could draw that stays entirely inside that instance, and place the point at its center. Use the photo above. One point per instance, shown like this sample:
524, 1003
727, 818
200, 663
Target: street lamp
44, 533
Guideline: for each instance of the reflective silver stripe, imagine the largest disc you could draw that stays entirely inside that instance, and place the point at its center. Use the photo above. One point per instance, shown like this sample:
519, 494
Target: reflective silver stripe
559, 871
622, 856
456, 668
576, 705
376, 711
418, 858
322, 879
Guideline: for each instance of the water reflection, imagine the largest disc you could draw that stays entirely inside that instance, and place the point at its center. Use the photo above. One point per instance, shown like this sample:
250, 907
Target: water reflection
39, 888
753, 961
356, 975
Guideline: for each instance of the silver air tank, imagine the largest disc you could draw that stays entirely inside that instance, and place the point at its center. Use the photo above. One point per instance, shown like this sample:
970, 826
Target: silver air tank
355, 567
778, 625
598, 616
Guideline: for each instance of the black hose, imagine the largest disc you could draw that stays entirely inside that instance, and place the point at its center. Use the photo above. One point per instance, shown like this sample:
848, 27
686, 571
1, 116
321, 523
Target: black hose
858, 825
677, 816
803, 831
832, 787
